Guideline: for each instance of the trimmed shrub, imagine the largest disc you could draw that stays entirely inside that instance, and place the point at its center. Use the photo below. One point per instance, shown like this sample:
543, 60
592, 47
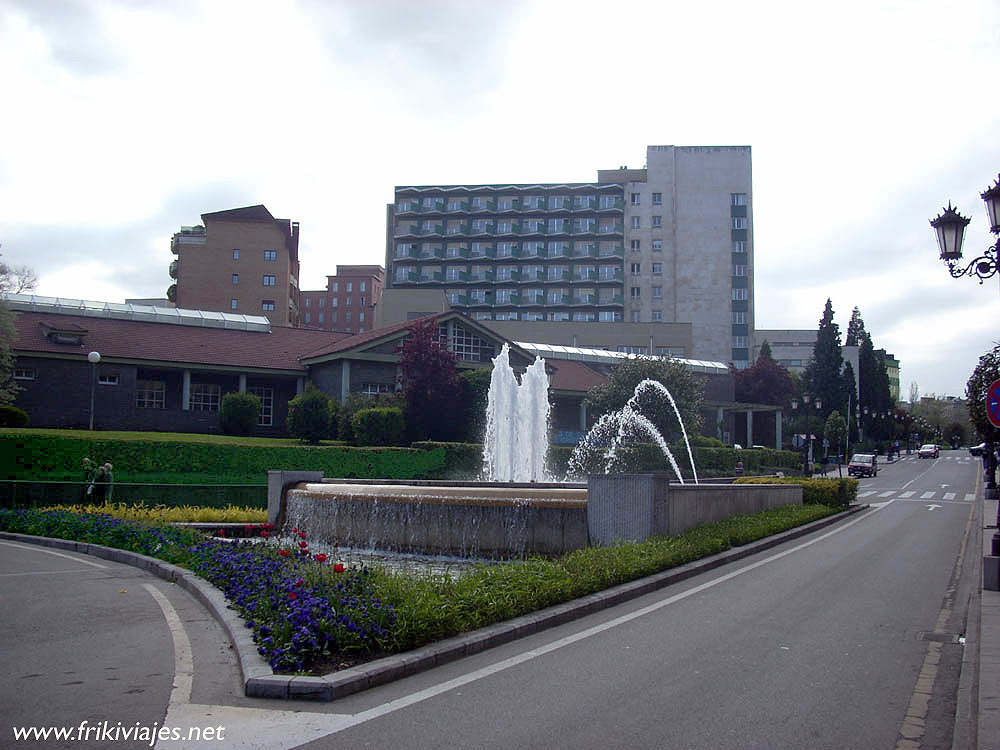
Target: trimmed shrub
831, 492
378, 426
309, 416
239, 413
11, 416
462, 460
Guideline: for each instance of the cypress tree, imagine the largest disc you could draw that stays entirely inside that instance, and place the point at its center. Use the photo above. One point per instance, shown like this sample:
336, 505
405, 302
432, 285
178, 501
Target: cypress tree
823, 376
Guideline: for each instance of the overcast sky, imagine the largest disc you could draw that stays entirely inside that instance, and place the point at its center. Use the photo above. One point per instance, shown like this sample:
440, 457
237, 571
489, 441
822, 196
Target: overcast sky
125, 119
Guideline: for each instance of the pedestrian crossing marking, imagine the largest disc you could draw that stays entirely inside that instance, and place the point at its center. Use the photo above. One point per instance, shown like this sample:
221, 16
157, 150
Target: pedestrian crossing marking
890, 493
927, 496
969, 497
866, 493
949, 496
910, 493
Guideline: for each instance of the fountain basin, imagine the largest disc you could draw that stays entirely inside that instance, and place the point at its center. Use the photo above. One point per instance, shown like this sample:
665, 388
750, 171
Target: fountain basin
504, 520
467, 519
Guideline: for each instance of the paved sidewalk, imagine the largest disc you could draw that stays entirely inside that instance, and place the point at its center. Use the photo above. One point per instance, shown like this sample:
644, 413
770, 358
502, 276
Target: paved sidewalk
989, 648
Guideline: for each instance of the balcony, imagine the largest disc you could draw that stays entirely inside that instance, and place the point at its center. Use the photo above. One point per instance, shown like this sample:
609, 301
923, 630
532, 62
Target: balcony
618, 204
584, 275
482, 229
617, 227
534, 300
481, 276
584, 299
188, 236
618, 275
616, 250
436, 253
585, 251
507, 278
454, 207
558, 300
458, 277
584, 204
429, 277
407, 277
173, 270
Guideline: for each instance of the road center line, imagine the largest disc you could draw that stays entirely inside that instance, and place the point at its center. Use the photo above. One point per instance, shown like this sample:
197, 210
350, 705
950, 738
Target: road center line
183, 657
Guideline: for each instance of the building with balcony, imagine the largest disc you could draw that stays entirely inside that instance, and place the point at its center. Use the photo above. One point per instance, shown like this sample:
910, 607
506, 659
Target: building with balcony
669, 243
348, 302
242, 260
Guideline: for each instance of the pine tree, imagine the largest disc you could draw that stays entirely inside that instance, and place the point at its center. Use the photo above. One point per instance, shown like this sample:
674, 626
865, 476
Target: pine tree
823, 377
855, 329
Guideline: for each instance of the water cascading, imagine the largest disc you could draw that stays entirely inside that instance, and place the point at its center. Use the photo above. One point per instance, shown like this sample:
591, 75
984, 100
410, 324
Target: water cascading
517, 423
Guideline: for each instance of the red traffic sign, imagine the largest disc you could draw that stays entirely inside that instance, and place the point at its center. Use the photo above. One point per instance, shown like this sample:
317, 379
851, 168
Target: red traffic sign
993, 403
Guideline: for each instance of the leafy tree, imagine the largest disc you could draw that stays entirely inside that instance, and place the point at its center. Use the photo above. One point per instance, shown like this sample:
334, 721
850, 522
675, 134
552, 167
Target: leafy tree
309, 416
835, 433
987, 371
764, 382
239, 413
475, 393
431, 387
343, 414
686, 389
8, 334
823, 377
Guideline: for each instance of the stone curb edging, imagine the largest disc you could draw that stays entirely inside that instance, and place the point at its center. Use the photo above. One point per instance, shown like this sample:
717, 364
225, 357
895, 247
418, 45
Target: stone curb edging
260, 681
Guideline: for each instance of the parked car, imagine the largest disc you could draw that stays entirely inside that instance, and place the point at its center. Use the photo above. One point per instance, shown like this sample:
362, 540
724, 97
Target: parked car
977, 450
928, 450
863, 465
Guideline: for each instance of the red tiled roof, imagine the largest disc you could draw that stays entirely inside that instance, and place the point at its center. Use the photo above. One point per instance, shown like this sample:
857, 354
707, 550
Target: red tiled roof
360, 339
569, 375
165, 342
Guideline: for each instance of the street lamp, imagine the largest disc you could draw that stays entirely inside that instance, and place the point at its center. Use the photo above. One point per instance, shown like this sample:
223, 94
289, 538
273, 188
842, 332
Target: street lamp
949, 226
807, 452
93, 358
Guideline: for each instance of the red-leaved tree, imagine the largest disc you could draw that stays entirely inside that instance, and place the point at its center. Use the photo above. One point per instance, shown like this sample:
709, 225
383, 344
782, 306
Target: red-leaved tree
431, 387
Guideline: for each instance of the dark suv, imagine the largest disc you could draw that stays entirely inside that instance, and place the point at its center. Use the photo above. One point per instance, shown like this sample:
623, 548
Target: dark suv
863, 465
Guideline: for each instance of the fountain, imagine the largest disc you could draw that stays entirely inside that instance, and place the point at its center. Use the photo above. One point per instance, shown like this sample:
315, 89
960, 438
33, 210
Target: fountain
517, 511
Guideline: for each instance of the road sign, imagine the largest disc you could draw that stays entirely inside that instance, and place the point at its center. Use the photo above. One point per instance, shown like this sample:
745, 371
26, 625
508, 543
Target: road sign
993, 403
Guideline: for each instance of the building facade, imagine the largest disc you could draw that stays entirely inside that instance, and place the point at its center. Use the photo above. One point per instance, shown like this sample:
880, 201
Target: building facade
348, 302
669, 243
242, 260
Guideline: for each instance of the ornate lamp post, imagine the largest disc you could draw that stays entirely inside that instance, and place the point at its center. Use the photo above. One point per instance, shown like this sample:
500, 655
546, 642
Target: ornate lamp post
93, 358
949, 226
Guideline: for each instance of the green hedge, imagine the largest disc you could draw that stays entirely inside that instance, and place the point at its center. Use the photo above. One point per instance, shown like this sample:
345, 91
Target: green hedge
831, 492
461, 460
710, 461
378, 426
27, 456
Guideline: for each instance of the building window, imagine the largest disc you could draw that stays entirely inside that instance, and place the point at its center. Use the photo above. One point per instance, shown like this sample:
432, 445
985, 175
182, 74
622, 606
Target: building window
350, 285
636, 199
657, 222
268, 305
309, 301
657, 269
320, 317
372, 389
348, 300
347, 316
361, 316
657, 292
336, 286
321, 302
270, 280
634, 268
266, 396
236, 279
236, 253
739, 222
634, 292
634, 316
334, 301
739, 318
270, 255
205, 396
25, 373
739, 246
657, 316
739, 270
333, 316
739, 199
364, 286
308, 317
234, 303
149, 394
657, 244
740, 342
636, 246
740, 294
657, 199
636, 222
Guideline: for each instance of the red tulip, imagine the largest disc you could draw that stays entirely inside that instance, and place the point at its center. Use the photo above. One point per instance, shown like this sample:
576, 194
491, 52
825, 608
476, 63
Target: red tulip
283, 553
303, 544
292, 595
320, 557
339, 568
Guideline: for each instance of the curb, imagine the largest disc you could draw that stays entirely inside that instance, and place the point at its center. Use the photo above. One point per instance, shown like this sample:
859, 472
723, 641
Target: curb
260, 681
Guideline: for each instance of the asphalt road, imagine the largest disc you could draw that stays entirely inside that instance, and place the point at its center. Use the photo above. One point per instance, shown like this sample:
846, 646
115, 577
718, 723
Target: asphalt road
842, 639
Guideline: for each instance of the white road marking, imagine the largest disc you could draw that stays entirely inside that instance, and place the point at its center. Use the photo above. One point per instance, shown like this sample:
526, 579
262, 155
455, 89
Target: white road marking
970, 497
890, 493
949, 496
910, 493
48, 551
927, 496
866, 493
183, 657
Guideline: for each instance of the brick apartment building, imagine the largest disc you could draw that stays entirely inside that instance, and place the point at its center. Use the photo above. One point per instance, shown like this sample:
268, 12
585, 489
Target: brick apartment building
348, 302
242, 260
